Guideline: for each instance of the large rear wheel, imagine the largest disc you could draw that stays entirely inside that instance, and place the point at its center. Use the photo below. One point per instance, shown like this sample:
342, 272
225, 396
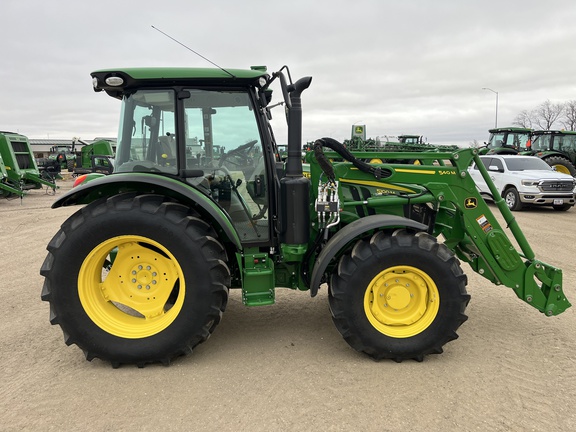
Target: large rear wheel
135, 279
399, 296
561, 165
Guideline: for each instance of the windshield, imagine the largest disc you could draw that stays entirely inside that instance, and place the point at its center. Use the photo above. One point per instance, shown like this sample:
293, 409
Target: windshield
517, 163
515, 140
564, 142
146, 140
210, 138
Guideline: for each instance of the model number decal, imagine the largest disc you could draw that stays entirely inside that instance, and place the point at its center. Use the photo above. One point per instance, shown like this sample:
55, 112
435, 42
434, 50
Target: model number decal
446, 172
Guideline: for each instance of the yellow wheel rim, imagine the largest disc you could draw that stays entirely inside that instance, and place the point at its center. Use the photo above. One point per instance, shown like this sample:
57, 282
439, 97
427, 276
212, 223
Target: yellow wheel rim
131, 286
376, 161
401, 301
562, 169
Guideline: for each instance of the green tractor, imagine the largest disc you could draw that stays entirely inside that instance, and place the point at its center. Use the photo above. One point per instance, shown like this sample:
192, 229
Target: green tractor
508, 140
556, 148
411, 139
19, 163
142, 272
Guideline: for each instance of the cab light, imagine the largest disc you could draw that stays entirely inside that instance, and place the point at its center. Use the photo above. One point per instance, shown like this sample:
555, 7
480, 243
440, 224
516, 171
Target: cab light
114, 81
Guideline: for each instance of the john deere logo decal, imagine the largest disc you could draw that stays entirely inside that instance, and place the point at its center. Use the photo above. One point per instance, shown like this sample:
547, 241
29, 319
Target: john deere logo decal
359, 129
471, 203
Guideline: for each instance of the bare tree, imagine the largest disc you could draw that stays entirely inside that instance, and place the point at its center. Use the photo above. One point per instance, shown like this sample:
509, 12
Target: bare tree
524, 119
547, 113
569, 119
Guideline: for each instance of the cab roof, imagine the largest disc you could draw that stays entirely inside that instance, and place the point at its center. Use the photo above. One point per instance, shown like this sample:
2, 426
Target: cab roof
115, 81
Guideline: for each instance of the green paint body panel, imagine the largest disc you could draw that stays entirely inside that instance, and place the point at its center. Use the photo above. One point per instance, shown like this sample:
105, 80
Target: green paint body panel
258, 280
19, 164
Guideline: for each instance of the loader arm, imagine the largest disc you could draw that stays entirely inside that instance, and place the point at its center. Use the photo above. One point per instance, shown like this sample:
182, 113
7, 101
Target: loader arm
462, 218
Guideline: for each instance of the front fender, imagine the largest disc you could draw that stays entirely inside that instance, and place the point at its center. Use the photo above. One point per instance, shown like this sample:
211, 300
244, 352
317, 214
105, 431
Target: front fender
349, 233
184, 193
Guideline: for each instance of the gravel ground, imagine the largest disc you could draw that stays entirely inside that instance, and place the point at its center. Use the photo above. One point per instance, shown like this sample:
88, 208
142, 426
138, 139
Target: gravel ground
285, 367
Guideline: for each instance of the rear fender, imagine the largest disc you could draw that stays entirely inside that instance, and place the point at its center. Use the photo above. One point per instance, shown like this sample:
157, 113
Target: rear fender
107, 186
350, 232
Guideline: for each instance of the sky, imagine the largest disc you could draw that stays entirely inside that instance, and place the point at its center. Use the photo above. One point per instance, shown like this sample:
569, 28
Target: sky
398, 67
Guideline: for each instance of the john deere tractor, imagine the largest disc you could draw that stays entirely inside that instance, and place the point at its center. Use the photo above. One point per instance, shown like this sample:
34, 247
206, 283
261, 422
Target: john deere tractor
557, 148
141, 273
507, 140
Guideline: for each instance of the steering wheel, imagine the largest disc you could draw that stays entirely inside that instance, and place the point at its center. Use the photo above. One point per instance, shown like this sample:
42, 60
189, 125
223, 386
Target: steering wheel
240, 153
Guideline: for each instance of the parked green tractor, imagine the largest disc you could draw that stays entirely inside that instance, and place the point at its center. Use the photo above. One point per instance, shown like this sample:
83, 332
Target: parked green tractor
411, 139
556, 148
141, 273
507, 140
20, 165
59, 156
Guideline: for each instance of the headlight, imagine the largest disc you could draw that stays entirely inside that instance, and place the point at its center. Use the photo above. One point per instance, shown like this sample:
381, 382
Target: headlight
530, 182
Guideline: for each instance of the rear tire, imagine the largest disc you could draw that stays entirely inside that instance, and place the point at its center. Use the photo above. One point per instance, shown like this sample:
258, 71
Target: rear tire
399, 296
562, 165
135, 279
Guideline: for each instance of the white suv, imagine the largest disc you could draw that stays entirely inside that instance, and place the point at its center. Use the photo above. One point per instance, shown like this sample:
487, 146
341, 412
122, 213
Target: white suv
525, 180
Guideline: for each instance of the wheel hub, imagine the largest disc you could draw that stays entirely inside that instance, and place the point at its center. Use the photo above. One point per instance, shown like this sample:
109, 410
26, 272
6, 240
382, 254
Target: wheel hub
143, 277
401, 301
130, 299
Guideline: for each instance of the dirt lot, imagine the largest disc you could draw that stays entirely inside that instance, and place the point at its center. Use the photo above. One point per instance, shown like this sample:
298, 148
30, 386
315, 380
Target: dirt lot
285, 367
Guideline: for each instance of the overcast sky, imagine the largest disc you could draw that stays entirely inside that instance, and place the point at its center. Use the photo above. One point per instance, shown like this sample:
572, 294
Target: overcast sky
398, 67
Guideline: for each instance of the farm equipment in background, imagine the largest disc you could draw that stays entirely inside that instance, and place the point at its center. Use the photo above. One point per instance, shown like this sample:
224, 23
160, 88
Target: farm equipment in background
507, 140
59, 155
20, 165
94, 157
404, 143
141, 273
8, 189
556, 148
81, 157
411, 139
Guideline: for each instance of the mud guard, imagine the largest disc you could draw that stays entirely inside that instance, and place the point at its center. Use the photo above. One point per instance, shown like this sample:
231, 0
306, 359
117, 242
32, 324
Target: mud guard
349, 233
118, 183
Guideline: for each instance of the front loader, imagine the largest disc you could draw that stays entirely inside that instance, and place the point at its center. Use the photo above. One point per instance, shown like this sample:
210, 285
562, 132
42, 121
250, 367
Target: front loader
200, 202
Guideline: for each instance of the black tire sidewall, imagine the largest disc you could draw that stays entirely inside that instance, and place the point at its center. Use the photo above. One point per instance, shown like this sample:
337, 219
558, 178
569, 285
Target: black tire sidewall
439, 271
97, 228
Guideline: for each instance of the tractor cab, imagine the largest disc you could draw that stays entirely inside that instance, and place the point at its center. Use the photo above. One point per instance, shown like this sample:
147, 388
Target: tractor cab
508, 140
208, 136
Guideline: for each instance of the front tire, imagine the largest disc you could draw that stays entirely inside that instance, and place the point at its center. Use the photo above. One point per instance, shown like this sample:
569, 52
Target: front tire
512, 199
399, 296
135, 279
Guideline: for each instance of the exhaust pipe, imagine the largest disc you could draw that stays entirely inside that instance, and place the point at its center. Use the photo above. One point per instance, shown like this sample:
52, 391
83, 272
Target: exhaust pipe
294, 187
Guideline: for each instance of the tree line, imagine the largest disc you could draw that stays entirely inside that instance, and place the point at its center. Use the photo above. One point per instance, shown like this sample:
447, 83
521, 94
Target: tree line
548, 114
